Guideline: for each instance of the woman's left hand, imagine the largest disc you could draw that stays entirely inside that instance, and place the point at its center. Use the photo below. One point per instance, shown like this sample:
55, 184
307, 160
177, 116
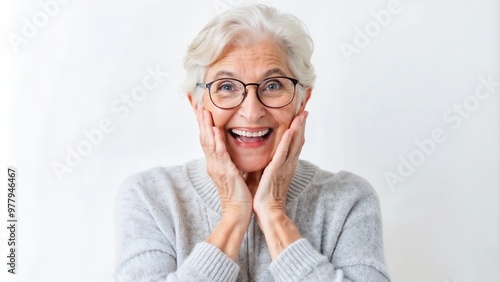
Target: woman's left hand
269, 203
273, 186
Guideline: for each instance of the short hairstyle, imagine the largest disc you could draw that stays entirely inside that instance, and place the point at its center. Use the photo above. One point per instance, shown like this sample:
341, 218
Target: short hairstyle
244, 25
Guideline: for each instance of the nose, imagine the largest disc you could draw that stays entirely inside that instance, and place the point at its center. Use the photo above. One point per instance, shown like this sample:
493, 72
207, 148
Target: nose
251, 108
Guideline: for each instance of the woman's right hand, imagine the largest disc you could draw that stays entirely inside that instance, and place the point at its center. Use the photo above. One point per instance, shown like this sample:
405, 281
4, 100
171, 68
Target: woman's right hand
233, 192
235, 198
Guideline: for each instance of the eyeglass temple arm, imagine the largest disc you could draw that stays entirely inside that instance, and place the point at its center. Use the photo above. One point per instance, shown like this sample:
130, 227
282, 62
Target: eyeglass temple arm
203, 85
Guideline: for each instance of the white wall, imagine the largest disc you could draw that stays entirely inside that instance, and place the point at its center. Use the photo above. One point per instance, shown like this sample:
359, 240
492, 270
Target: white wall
441, 218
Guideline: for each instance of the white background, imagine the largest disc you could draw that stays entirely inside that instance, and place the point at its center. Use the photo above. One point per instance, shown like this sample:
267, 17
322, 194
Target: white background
441, 222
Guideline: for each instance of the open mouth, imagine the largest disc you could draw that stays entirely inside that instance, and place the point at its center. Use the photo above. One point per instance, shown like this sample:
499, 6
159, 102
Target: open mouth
250, 136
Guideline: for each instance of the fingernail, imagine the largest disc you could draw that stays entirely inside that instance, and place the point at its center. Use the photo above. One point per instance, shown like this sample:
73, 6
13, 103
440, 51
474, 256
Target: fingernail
302, 118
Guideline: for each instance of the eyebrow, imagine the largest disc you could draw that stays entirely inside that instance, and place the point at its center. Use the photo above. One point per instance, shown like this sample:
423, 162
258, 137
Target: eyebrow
228, 74
223, 73
274, 71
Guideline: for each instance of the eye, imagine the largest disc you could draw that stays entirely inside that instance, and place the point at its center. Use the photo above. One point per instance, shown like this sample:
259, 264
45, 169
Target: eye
226, 87
272, 85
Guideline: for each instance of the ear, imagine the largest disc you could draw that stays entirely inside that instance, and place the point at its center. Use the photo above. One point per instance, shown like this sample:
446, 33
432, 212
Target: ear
305, 100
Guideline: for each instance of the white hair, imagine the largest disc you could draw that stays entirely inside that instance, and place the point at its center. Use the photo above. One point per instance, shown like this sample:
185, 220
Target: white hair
245, 25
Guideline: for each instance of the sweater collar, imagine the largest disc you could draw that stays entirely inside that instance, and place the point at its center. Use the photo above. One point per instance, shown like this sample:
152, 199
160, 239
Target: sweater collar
205, 187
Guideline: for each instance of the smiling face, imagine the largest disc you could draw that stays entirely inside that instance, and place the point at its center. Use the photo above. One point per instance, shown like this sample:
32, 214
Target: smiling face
251, 131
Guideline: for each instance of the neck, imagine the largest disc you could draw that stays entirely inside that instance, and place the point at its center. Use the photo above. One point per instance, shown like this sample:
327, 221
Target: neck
252, 180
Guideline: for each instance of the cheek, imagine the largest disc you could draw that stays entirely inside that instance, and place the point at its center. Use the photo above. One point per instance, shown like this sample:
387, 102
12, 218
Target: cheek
207, 105
219, 117
285, 119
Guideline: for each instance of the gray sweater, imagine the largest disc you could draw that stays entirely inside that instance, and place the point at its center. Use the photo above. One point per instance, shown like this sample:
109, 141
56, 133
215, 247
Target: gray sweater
164, 216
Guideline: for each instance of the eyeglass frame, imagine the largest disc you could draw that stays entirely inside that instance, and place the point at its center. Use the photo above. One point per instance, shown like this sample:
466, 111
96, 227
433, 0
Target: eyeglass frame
245, 93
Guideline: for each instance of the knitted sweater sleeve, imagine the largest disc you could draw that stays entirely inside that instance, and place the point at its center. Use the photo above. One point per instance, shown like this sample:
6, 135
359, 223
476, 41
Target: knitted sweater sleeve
358, 254
144, 252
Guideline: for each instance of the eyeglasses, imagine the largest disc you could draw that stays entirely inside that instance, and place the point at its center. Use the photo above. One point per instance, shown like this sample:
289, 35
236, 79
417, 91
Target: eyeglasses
229, 93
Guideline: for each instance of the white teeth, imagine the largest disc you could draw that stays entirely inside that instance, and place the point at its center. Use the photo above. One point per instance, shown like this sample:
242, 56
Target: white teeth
250, 134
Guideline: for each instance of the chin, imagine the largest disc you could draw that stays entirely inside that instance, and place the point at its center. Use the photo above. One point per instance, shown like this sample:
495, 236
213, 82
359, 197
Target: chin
251, 164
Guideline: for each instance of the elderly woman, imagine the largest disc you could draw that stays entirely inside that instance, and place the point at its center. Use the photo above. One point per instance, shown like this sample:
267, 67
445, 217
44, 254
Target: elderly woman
250, 210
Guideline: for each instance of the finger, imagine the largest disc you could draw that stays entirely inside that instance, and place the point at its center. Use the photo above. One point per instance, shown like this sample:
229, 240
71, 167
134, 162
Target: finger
199, 113
222, 155
221, 159
299, 121
288, 144
208, 126
297, 130
281, 153
298, 127
206, 132
220, 146
199, 119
